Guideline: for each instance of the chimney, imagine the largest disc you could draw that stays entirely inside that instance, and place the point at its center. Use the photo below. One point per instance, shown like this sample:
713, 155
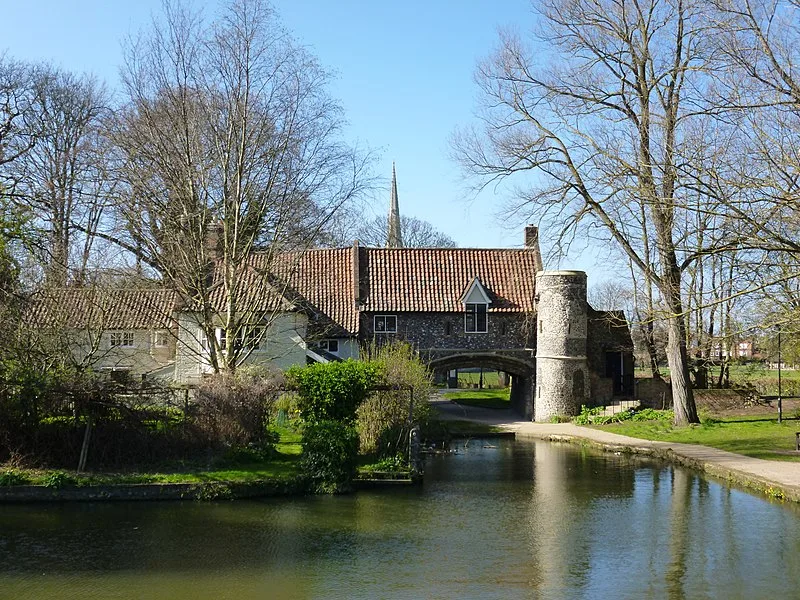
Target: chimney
532, 243
212, 242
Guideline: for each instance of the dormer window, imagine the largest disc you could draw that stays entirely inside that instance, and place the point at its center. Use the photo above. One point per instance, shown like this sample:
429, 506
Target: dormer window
476, 307
475, 320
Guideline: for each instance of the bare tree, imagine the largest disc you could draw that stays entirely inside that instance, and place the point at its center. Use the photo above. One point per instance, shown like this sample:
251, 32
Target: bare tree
61, 179
608, 128
15, 101
416, 233
230, 154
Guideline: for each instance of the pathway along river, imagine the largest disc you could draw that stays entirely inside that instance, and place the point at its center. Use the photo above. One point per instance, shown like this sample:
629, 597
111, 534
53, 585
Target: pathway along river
522, 519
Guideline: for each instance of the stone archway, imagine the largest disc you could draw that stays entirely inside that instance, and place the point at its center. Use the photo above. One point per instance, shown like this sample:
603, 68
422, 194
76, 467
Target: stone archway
522, 373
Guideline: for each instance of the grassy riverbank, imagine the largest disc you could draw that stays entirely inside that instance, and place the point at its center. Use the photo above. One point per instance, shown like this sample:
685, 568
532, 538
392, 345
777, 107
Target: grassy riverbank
759, 436
283, 465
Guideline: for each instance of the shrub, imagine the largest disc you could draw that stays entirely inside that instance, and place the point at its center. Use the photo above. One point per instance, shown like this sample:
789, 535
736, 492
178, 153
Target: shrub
58, 479
383, 419
13, 477
333, 391
232, 409
593, 416
330, 452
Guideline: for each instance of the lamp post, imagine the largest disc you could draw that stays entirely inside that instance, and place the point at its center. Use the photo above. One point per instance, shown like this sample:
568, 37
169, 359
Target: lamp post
780, 404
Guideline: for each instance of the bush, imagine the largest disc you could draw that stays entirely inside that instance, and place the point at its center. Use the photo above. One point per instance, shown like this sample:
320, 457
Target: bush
333, 391
593, 416
383, 419
13, 477
330, 452
232, 409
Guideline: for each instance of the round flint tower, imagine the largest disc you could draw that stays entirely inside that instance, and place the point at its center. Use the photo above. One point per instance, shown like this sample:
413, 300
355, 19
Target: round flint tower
562, 374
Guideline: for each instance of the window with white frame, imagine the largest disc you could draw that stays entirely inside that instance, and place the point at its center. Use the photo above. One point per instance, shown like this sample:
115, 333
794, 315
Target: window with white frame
385, 324
475, 319
121, 339
160, 339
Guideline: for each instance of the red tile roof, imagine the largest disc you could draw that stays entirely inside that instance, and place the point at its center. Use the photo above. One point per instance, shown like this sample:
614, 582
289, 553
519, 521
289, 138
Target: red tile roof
391, 280
410, 280
433, 280
324, 279
104, 308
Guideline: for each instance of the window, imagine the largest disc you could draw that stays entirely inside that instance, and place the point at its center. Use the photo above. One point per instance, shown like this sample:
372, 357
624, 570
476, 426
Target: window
122, 339
475, 320
222, 338
385, 324
254, 337
331, 346
160, 339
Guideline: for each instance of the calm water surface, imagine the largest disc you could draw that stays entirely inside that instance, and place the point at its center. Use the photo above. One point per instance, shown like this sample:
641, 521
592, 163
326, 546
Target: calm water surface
517, 519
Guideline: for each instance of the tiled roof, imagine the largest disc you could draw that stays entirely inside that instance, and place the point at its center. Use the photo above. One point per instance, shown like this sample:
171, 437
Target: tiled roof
104, 308
255, 289
324, 279
433, 279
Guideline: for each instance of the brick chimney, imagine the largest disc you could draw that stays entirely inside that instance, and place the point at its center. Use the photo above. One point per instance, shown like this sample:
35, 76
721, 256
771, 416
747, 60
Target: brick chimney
532, 243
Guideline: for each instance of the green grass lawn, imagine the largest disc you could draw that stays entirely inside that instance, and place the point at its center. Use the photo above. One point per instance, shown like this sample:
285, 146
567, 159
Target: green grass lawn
467, 379
759, 436
481, 398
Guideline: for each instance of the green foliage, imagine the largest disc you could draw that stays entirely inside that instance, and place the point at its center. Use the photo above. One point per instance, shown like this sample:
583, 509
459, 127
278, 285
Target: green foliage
398, 462
213, 491
595, 416
333, 391
252, 453
384, 419
58, 479
13, 477
330, 452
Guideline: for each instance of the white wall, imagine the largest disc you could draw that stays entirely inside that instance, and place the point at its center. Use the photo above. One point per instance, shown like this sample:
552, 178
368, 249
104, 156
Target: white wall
282, 346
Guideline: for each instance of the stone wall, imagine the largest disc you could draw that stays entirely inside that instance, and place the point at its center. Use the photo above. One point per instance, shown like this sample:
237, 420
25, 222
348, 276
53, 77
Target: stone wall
562, 374
608, 331
654, 393
445, 331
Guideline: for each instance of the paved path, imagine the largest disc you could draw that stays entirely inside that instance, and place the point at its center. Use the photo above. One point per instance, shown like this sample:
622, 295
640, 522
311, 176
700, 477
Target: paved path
776, 478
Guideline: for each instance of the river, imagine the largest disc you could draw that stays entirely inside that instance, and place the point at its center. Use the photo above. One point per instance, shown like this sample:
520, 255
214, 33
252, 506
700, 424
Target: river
497, 519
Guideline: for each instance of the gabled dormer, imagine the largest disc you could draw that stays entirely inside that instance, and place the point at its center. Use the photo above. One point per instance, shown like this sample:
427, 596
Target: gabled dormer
476, 301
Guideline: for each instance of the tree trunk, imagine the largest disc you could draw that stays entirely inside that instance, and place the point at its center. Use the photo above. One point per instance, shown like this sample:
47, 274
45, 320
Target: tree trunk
682, 393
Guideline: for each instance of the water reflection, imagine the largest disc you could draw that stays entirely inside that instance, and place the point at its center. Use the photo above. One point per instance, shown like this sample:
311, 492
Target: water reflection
496, 520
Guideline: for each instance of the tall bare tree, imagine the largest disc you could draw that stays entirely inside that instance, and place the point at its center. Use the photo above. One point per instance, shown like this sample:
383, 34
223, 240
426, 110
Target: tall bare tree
229, 145
61, 178
605, 111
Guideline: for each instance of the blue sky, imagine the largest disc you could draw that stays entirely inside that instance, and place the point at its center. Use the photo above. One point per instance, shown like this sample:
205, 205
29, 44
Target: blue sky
403, 74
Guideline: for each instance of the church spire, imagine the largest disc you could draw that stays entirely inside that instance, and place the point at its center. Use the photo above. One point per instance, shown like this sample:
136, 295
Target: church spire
394, 238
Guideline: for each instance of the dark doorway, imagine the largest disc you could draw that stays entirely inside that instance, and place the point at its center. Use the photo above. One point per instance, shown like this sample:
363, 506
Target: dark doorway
619, 368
